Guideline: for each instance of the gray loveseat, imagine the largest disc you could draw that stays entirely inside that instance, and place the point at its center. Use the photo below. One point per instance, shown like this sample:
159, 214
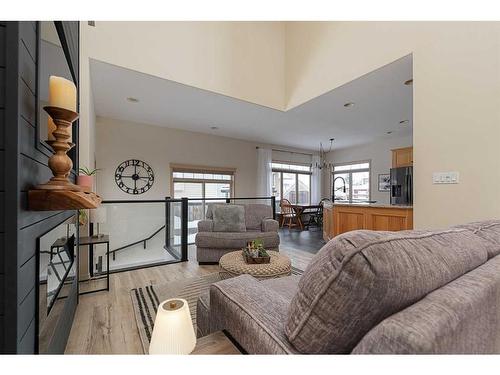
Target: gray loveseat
259, 223
372, 292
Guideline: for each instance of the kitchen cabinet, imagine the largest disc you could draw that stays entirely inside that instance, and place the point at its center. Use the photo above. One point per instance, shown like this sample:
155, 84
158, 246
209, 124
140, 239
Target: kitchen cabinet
327, 222
341, 218
402, 157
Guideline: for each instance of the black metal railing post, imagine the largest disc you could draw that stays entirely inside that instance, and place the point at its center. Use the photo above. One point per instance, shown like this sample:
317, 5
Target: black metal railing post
167, 222
184, 229
273, 203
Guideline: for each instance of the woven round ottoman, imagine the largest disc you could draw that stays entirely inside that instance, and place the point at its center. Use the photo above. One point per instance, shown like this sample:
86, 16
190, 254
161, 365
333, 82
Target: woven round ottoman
233, 264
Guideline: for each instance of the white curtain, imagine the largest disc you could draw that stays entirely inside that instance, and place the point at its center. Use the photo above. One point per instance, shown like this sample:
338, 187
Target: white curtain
264, 172
315, 180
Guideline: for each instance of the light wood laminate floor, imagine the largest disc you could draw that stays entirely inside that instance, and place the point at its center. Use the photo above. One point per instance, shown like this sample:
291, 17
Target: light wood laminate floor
104, 321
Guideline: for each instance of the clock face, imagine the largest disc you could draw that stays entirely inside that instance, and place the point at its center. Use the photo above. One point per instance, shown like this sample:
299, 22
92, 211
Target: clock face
134, 176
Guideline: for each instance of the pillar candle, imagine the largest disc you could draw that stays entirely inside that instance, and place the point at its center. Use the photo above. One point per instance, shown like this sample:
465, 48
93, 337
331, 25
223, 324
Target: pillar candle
62, 93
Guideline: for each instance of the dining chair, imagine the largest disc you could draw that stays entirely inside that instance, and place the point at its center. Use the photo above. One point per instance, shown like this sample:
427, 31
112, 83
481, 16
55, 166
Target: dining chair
317, 216
287, 213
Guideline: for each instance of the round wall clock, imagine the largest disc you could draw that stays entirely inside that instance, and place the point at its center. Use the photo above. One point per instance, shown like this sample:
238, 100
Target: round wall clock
134, 176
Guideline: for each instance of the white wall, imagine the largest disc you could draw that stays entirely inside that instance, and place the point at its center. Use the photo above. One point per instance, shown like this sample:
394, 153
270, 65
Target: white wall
456, 86
87, 115
118, 141
379, 153
243, 60
456, 108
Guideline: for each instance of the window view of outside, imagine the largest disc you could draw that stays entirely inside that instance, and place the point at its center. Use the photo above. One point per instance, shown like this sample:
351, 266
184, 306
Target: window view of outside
289, 187
200, 185
304, 187
292, 182
361, 186
341, 186
356, 179
277, 186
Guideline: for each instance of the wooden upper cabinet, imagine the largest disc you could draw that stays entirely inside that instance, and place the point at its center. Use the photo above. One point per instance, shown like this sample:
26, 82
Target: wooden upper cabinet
402, 157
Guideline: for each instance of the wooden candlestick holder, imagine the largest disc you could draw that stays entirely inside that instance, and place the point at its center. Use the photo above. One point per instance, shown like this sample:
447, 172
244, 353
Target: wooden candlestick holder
60, 163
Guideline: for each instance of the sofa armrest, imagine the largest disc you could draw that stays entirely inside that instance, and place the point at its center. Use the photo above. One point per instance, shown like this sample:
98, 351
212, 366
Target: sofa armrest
205, 226
253, 314
270, 225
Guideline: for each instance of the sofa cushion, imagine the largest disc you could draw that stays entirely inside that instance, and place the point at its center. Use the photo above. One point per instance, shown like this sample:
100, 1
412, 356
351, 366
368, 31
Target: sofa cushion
253, 314
203, 315
488, 230
228, 218
285, 286
461, 317
360, 278
255, 214
228, 240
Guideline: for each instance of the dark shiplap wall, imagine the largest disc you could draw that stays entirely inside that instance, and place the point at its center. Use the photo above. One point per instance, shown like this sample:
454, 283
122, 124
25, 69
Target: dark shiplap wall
25, 166
2, 178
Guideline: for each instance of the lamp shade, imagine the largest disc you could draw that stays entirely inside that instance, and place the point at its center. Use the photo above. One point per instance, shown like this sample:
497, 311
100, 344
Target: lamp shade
173, 332
98, 215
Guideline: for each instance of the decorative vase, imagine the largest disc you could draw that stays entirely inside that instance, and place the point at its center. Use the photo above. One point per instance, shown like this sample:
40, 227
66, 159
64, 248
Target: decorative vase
86, 182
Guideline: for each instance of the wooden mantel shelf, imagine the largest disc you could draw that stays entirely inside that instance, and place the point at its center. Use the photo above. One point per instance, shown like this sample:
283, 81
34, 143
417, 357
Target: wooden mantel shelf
55, 200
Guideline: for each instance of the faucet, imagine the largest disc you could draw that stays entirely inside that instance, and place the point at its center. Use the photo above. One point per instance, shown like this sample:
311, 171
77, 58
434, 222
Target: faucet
333, 186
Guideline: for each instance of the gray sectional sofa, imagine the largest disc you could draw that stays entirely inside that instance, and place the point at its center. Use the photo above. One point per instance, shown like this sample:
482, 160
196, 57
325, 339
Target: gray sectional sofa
372, 292
211, 245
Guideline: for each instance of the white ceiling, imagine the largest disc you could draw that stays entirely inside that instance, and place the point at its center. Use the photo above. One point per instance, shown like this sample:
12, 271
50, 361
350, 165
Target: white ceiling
381, 101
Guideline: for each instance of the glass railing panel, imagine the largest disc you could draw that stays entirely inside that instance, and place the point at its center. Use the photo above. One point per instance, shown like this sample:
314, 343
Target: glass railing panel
197, 210
174, 229
136, 236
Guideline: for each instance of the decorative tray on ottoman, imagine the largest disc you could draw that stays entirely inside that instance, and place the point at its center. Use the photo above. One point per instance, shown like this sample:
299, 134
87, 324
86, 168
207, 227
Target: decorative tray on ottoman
254, 253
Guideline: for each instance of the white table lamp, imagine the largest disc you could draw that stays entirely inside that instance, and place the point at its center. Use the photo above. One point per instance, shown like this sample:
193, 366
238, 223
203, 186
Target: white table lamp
98, 216
173, 332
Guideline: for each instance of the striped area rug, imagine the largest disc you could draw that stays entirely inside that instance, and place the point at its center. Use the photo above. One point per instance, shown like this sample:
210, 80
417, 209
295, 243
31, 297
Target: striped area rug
146, 300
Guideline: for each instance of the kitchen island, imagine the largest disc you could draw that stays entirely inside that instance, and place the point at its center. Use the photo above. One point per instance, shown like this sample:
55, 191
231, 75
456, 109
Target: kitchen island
341, 217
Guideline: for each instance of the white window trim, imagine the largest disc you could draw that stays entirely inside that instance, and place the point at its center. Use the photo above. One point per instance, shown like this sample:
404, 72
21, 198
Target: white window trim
291, 171
205, 170
369, 170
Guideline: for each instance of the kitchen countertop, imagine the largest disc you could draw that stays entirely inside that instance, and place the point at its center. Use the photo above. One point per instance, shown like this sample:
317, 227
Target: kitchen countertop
363, 204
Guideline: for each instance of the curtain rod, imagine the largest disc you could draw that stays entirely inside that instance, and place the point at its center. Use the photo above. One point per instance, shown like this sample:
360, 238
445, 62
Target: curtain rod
290, 152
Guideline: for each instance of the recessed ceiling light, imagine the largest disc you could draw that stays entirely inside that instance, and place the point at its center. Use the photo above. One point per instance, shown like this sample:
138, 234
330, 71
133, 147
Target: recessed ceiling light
404, 122
349, 104
132, 100
214, 127
409, 82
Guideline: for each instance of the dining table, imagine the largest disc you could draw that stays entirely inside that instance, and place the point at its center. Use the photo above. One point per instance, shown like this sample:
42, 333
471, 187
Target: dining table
301, 209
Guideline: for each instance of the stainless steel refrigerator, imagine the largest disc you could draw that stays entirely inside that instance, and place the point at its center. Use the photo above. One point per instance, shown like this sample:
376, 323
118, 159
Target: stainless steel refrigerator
402, 186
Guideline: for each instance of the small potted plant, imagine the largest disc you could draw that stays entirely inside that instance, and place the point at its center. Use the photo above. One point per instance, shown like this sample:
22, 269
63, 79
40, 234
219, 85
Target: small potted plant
86, 178
254, 252
82, 217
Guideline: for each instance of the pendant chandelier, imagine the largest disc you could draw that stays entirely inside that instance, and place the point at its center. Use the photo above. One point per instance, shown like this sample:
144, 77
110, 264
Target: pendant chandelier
323, 164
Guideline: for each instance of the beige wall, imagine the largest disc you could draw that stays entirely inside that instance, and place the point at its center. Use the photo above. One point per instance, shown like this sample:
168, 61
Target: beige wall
380, 156
244, 60
456, 88
87, 114
456, 100
158, 146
